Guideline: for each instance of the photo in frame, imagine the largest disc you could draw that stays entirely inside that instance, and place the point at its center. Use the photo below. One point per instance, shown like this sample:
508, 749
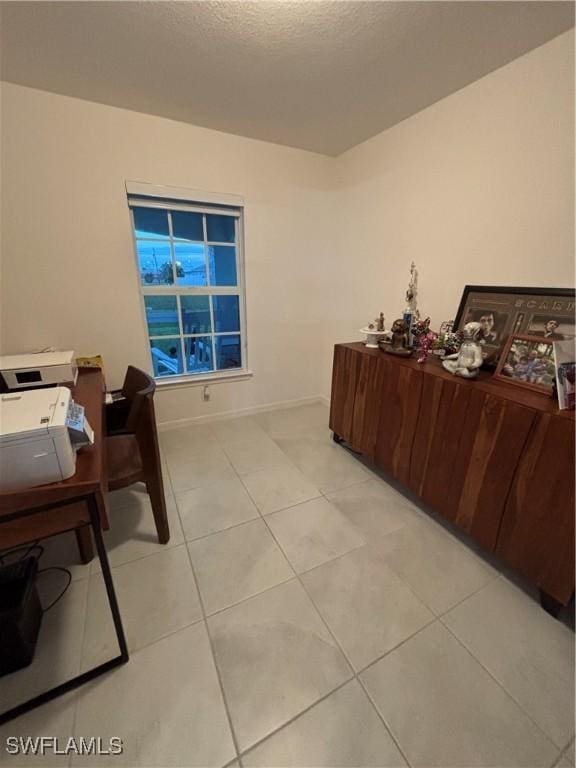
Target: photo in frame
565, 358
501, 311
528, 361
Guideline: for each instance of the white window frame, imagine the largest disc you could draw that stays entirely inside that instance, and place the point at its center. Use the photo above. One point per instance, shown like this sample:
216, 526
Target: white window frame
170, 199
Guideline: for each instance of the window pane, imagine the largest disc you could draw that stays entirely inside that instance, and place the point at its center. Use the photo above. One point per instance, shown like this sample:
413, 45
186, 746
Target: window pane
161, 315
222, 262
190, 264
195, 314
187, 226
226, 313
228, 354
150, 222
199, 354
220, 229
155, 261
166, 357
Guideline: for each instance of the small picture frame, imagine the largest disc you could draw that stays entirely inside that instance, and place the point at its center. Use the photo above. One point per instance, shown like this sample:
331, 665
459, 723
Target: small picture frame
528, 361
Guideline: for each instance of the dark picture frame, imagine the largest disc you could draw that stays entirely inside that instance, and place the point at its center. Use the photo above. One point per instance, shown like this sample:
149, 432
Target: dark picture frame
528, 361
506, 310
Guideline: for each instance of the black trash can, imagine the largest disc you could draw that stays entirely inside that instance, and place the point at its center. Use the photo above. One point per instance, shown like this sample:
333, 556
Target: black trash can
20, 614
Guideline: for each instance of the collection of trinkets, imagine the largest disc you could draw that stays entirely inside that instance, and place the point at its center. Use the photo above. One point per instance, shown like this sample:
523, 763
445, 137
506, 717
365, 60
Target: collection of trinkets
460, 350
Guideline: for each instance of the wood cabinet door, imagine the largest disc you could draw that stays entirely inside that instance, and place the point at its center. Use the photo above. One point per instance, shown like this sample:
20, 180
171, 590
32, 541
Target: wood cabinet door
466, 451
494, 436
345, 371
443, 404
367, 404
400, 392
537, 533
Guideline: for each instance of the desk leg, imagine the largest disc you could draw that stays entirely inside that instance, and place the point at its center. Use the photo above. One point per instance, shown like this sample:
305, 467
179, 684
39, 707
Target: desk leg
75, 682
84, 541
105, 565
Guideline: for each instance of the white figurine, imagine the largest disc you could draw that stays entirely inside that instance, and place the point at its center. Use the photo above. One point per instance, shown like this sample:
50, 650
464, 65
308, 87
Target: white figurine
411, 293
374, 332
468, 359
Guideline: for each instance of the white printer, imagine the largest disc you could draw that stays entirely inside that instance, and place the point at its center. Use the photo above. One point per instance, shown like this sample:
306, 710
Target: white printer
39, 432
39, 369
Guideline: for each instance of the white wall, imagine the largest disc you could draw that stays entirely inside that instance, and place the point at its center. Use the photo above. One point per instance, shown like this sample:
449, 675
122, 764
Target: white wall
478, 188
69, 273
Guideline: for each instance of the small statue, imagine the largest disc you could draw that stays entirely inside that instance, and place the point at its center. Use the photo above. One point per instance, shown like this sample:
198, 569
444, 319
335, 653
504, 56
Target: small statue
411, 314
412, 289
446, 326
451, 342
374, 332
398, 343
468, 359
426, 338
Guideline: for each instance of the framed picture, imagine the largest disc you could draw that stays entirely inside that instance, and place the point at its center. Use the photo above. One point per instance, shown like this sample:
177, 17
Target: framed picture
528, 361
501, 311
565, 358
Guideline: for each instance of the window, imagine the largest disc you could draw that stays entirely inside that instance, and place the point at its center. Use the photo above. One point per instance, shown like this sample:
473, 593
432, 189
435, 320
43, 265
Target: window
190, 267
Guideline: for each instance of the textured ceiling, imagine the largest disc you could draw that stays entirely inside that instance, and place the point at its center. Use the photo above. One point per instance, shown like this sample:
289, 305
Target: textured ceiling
322, 76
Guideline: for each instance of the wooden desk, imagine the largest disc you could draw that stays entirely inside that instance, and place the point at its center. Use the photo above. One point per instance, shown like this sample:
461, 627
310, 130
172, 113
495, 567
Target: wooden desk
45, 510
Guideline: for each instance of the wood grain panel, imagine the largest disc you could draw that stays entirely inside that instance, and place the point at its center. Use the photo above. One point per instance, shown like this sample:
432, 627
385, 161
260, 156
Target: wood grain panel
537, 533
400, 393
447, 401
431, 392
344, 381
495, 436
368, 404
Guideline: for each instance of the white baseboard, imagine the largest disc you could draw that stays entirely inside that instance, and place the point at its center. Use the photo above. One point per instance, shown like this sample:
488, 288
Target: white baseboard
220, 416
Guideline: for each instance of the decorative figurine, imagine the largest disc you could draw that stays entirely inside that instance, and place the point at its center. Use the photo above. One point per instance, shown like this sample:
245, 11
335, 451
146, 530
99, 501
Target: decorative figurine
411, 314
446, 326
426, 338
468, 359
374, 332
398, 343
451, 342
448, 341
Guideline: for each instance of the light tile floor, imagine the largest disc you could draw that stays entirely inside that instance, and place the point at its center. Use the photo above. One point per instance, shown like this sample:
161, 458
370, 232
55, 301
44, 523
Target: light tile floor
304, 613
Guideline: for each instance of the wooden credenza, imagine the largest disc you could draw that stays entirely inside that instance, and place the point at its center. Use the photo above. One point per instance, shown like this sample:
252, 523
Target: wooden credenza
495, 459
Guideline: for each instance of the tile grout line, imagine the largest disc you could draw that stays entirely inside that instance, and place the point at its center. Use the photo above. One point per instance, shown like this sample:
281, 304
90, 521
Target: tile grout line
398, 645
297, 716
250, 597
214, 660
165, 548
281, 509
564, 754
498, 683
76, 693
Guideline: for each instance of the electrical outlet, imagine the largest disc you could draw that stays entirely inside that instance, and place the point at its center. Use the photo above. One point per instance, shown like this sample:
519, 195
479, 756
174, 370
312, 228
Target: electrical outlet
206, 394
